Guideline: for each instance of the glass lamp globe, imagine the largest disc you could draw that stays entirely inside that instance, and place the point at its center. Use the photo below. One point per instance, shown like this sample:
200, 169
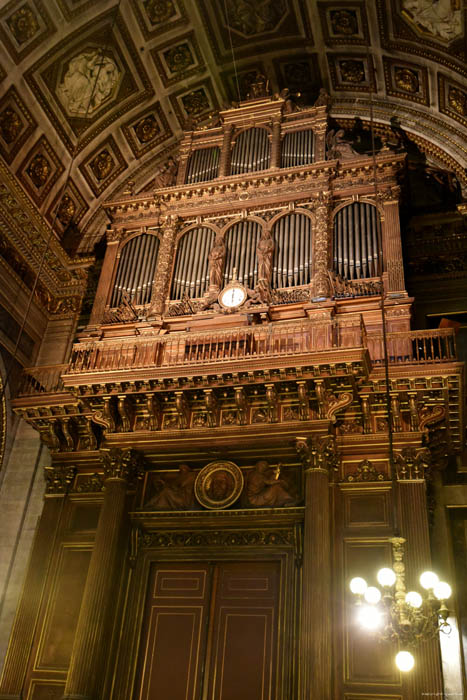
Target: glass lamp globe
405, 661
358, 585
428, 579
414, 599
441, 590
369, 617
386, 577
372, 595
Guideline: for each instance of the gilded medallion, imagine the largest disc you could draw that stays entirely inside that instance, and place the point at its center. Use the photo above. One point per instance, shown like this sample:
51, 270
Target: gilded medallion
218, 485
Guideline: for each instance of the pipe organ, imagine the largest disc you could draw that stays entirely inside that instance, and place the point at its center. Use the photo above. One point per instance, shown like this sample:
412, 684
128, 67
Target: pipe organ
357, 241
223, 455
135, 270
191, 270
292, 255
203, 165
251, 152
297, 149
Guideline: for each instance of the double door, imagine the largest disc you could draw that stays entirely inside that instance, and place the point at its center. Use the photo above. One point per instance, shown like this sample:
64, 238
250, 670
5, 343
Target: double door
210, 631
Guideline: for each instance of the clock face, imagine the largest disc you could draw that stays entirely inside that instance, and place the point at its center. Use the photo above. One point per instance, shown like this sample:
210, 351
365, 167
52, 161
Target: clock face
232, 297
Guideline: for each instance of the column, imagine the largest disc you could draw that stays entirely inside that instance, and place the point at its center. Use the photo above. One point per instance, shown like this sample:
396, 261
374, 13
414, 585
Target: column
426, 677
160, 285
276, 144
316, 630
321, 247
22, 635
90, 647
392, 245
224, 164
105, 280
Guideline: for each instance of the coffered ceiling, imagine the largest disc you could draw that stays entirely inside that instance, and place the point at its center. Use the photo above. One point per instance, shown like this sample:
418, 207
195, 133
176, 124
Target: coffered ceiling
94, 94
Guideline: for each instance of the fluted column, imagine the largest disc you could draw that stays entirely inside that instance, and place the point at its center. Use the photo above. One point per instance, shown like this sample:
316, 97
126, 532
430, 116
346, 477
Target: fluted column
276, 144
91, 639
105, 279
58, 481
160, 285
316, 630
322, 238
224, 164
426, 677
392, 244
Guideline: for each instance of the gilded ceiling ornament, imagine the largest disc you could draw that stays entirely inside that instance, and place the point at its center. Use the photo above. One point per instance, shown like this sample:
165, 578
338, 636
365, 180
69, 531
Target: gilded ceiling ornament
147, 129
406, 79
441, 19
179, 58
457, 100
159, 11
251, 17
10, 125
88, 82
344, 22
102, 165
218, 485
195, 102
39, 170
66, 210
352, 71
23, 24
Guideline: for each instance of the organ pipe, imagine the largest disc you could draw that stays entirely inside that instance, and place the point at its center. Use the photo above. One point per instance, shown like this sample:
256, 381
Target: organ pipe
251, 152
297, 148
203, 165
241, 241
291, 265
191, 270
135, 271
357, 241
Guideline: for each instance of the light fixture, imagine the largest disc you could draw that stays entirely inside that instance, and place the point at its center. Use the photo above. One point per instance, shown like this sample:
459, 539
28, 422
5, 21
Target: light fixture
398, 616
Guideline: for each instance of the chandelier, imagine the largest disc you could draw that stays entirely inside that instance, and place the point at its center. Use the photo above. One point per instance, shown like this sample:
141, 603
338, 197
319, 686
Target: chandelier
396, 615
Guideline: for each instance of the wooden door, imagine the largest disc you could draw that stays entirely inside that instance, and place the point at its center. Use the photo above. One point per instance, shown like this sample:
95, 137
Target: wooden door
211, 632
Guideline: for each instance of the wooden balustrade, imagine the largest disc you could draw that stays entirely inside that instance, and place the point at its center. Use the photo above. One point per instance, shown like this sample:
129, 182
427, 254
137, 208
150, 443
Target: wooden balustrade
42, 380
409, 347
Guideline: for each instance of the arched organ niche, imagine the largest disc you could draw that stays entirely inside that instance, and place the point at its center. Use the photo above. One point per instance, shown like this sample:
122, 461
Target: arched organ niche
357, 241
251, 151
291, 266
203, 165
297, 148
135, 270
241, 241
191, 271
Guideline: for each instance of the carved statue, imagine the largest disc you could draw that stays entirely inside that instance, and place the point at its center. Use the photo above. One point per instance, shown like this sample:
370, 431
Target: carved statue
167, 175
216, 263
338, 146
259, 87
265, 488
323, 99
289, 97
264, 252
175, 493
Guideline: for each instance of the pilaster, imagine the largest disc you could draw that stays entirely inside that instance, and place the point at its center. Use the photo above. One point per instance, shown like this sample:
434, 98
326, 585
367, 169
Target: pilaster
224, 164
392, 245
321, 246
105, 278
160, 286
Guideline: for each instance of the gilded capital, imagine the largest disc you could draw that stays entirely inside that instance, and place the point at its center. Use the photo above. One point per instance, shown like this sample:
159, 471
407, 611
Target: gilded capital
58, 480
318, 454
121, 465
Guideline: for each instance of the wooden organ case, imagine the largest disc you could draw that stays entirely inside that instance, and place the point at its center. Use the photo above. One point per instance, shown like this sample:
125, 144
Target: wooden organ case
219, 439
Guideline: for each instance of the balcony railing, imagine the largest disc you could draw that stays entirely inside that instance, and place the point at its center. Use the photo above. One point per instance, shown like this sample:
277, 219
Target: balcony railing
413, 347
42, 380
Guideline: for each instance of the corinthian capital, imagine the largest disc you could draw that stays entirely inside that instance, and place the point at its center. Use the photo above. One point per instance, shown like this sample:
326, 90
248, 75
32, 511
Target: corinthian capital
124, 465
318, 453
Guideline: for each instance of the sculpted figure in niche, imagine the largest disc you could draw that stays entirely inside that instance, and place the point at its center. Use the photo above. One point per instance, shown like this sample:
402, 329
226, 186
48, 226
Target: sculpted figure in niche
338, 146
176, 493
216, 263
167, 175
265, 488
264, 252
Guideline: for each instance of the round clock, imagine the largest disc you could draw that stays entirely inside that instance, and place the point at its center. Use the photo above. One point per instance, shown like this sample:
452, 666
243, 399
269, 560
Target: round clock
232, 296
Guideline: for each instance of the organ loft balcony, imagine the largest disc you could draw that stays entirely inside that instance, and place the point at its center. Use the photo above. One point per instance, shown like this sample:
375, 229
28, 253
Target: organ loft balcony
251, 286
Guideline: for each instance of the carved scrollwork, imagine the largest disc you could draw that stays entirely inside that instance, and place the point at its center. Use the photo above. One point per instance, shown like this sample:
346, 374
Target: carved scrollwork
365, 471
216, 538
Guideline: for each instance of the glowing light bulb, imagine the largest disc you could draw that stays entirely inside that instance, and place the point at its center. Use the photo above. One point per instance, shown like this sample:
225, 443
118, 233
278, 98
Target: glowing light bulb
358, 585
386, 577
414, 599
372, 595
428, 579
369, 617
442, 590
405, 661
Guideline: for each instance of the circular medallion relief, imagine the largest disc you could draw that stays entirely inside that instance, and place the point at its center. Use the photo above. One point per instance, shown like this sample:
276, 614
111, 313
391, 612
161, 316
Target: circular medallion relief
218, 485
